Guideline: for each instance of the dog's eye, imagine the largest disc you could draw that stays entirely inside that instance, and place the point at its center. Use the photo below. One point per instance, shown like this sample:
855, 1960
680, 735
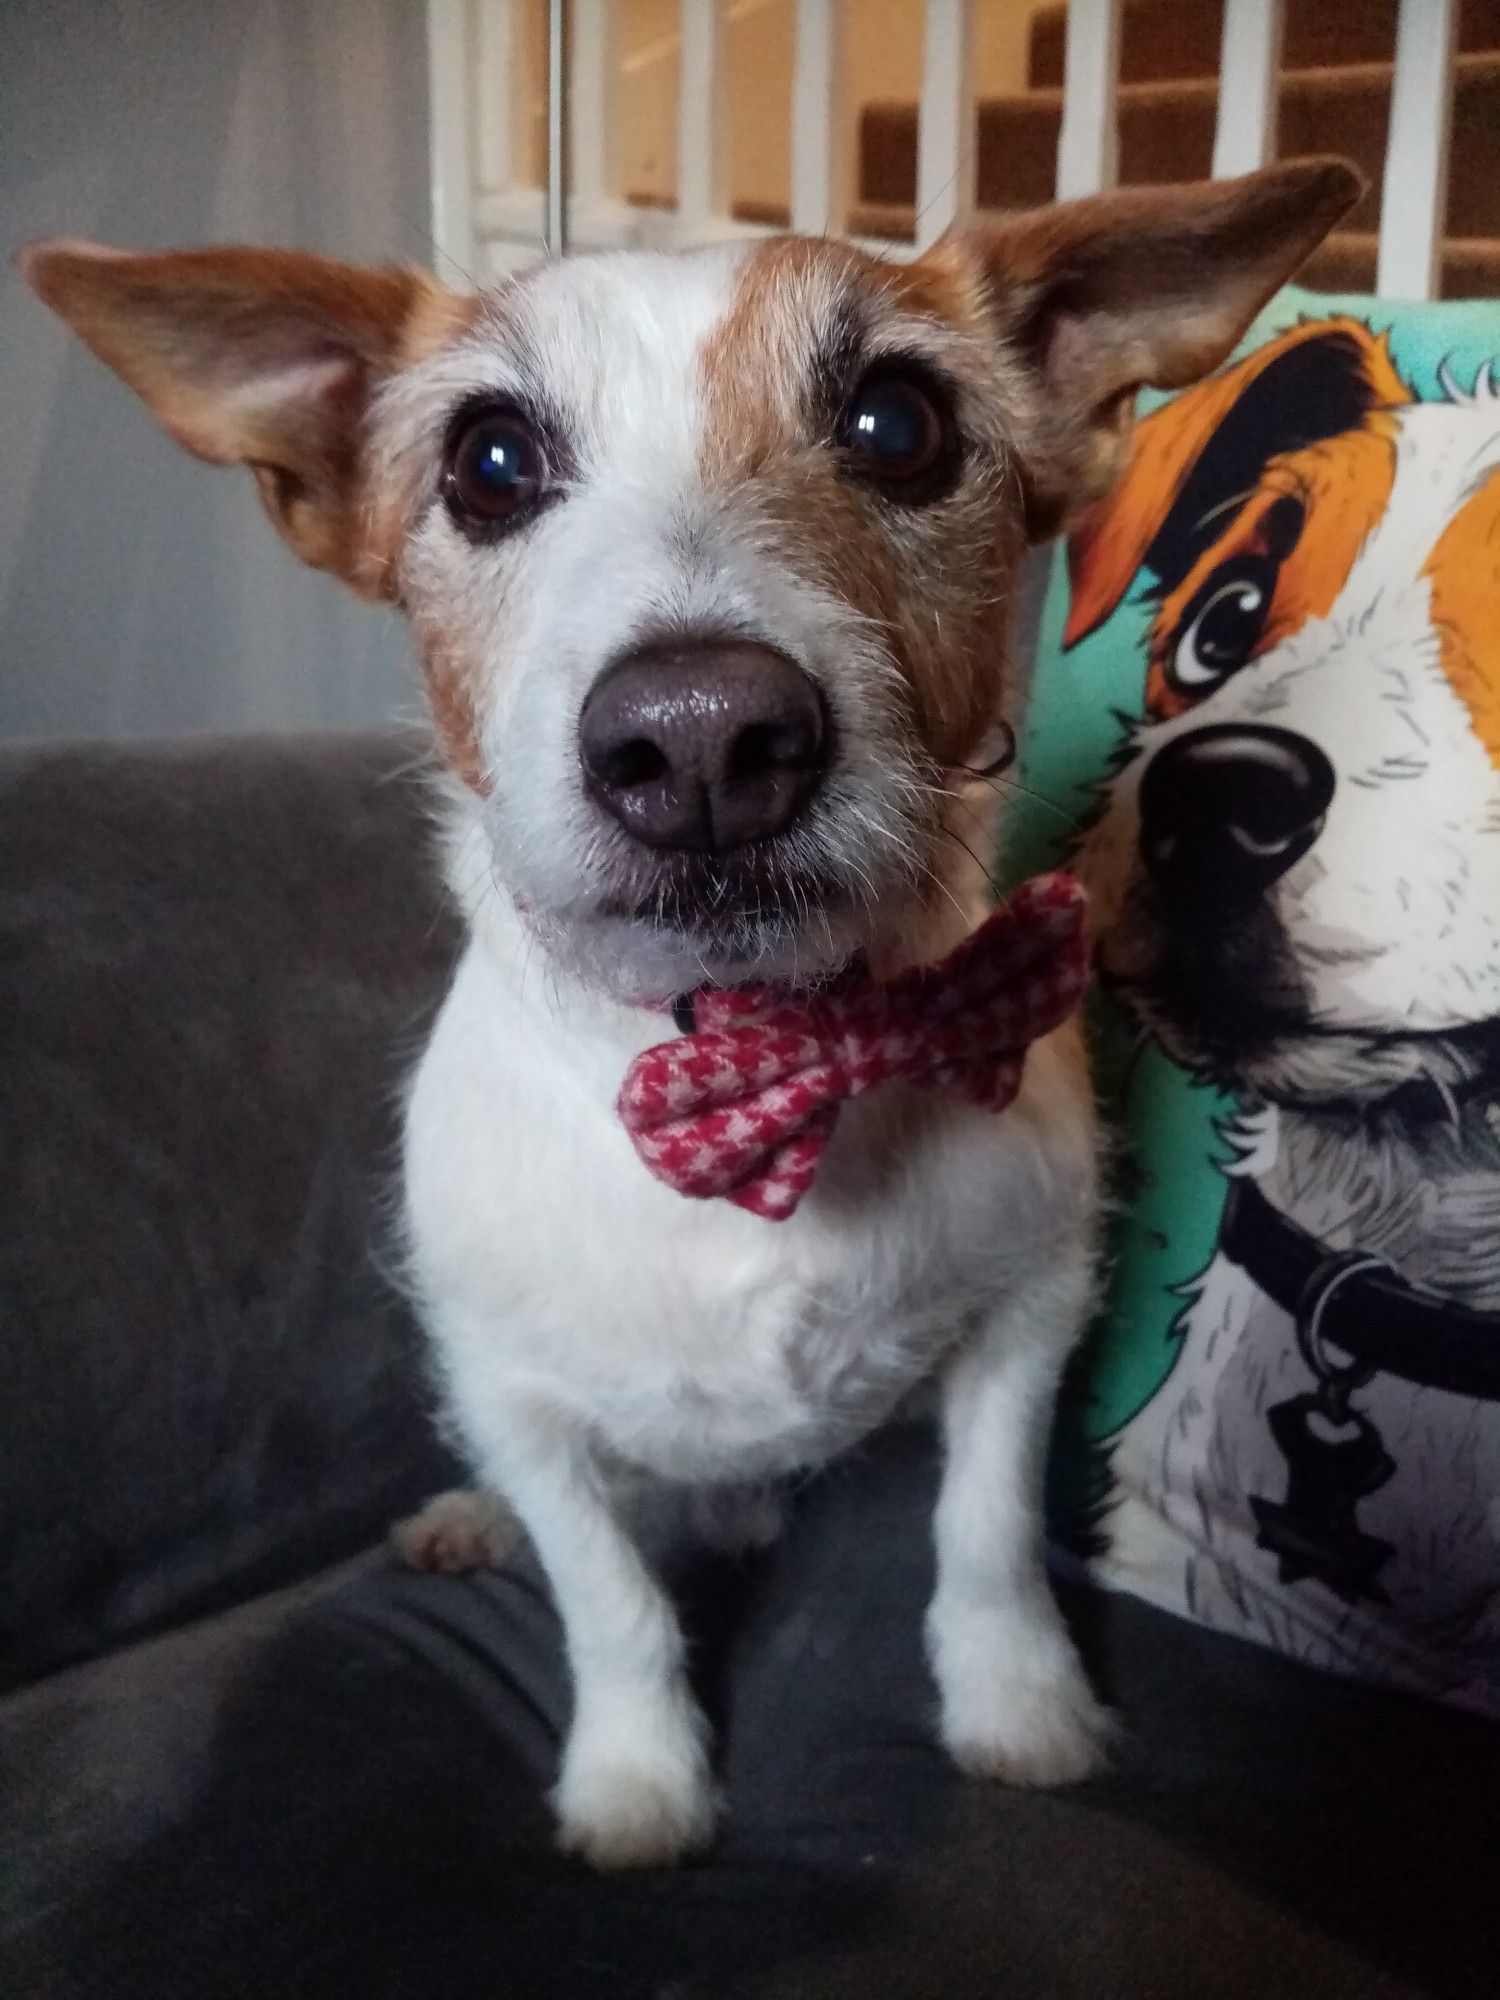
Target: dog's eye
1224, 630
496, 469
894, 431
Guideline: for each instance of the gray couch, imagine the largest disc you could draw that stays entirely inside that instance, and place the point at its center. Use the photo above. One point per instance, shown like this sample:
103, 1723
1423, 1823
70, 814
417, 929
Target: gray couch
243, 1753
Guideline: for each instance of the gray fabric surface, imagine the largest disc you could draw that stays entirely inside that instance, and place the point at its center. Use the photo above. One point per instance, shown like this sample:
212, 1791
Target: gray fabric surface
214, 966
331, 1785
342, 1798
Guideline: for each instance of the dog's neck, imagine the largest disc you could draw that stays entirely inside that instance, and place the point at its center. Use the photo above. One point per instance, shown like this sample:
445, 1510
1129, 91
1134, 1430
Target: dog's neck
1426, 1196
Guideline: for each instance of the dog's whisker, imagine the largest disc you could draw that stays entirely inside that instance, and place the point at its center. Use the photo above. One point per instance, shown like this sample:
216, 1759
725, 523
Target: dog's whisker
986, 868
1004, 782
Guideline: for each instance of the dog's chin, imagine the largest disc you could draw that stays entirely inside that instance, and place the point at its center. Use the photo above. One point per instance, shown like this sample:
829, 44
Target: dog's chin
641, 961
647, 949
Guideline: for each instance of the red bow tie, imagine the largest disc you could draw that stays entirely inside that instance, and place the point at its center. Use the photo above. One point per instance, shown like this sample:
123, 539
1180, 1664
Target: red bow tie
744, 1106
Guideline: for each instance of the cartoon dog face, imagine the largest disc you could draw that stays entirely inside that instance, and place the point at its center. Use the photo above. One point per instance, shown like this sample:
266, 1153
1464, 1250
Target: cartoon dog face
1297, 865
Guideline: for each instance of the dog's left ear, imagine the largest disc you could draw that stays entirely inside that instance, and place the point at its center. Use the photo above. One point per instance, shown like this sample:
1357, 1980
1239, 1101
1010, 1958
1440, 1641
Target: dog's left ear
266, 358
1145, 287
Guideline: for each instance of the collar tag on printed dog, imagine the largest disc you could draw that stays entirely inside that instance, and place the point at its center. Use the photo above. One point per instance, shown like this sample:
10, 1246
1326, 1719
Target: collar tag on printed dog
743, 1106
1335, 1459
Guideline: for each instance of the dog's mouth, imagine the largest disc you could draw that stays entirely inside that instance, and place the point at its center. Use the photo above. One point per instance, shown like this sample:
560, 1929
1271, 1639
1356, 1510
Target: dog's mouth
668, 923
736, 921
722, 897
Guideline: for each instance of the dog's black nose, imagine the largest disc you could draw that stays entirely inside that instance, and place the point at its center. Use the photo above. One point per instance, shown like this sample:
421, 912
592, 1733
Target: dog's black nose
1227, 809
703, 746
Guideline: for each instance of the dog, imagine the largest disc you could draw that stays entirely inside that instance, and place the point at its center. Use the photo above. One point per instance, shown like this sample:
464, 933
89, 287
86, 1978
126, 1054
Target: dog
1296, 881
707, 557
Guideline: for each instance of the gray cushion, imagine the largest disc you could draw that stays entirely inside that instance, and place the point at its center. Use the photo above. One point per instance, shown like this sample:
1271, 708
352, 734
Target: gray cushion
341, 1797
215, 963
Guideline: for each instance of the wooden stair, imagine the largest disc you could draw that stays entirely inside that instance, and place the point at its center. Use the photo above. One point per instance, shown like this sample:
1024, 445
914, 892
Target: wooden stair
1470, 265
1319, 34
1335, 98
1167, 132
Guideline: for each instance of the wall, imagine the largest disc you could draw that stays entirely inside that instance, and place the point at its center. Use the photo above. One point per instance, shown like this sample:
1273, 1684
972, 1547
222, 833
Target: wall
140, 591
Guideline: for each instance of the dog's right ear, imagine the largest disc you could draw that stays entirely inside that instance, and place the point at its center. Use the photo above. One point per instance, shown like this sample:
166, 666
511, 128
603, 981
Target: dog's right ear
1142, 287
264, 358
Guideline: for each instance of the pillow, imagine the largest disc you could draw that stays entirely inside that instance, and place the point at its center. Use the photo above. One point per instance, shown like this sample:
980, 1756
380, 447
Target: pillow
1265, 729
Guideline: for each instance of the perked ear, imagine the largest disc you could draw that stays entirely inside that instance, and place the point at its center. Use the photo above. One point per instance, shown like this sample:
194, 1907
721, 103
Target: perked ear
1145, 287
266, 358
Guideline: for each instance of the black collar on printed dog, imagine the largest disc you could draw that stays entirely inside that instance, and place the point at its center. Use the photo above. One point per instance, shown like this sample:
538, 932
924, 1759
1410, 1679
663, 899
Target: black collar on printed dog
1360, 1304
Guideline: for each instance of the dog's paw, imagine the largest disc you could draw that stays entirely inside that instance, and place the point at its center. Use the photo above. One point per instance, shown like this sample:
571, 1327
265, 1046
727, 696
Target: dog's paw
635, 1790
1041, 1732
620, 1812
1017, 1705
459, 1530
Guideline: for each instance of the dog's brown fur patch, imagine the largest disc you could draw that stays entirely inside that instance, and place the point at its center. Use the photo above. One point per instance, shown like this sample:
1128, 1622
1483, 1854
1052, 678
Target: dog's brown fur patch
451, 690
437, 318
1464, 570
932, 581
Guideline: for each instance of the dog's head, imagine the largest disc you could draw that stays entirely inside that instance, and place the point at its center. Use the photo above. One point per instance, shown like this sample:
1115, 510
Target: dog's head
707, 555
1297, 869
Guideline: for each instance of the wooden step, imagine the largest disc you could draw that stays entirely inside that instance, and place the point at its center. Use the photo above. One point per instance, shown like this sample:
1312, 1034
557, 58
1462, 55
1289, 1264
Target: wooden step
1166, 134
1346, 263
1163, 39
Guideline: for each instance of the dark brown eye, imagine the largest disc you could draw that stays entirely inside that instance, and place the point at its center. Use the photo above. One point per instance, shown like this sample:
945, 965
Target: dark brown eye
497, 469
893, 430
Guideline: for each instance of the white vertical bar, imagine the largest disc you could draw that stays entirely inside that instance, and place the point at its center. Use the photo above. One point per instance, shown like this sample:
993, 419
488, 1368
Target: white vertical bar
1088, 147
1249, 68
1414, 190
698, 108
589, 158
494, 89
450, 156
945, 128
557, 124
817, 206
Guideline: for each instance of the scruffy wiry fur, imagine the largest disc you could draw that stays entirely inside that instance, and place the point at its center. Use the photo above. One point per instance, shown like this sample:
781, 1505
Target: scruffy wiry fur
599, 1337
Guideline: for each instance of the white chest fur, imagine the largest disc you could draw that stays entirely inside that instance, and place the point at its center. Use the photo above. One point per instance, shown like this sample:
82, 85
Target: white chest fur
697, 1341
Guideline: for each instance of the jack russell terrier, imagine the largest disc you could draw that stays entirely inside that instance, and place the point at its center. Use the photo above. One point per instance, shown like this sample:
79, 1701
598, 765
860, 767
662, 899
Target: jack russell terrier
1296, 881
707, 557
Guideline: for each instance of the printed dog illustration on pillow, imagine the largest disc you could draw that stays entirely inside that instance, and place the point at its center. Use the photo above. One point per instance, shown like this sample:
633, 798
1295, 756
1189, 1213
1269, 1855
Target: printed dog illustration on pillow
1296, 872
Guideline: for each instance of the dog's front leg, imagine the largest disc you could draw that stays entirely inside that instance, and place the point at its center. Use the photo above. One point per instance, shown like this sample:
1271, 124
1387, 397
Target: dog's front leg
635, 1788
1016, 1703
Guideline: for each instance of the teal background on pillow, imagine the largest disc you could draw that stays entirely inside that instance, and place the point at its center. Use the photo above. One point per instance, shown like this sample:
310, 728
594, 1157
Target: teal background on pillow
1170, 1185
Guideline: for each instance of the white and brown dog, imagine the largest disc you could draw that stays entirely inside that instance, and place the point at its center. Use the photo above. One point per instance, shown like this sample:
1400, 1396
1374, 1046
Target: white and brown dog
707, 558
1296, 877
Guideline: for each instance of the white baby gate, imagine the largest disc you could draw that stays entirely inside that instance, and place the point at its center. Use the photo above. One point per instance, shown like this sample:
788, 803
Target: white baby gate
484, 55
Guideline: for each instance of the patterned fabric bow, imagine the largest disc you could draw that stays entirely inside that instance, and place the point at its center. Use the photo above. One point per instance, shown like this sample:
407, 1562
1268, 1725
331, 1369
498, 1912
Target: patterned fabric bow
744, 1105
